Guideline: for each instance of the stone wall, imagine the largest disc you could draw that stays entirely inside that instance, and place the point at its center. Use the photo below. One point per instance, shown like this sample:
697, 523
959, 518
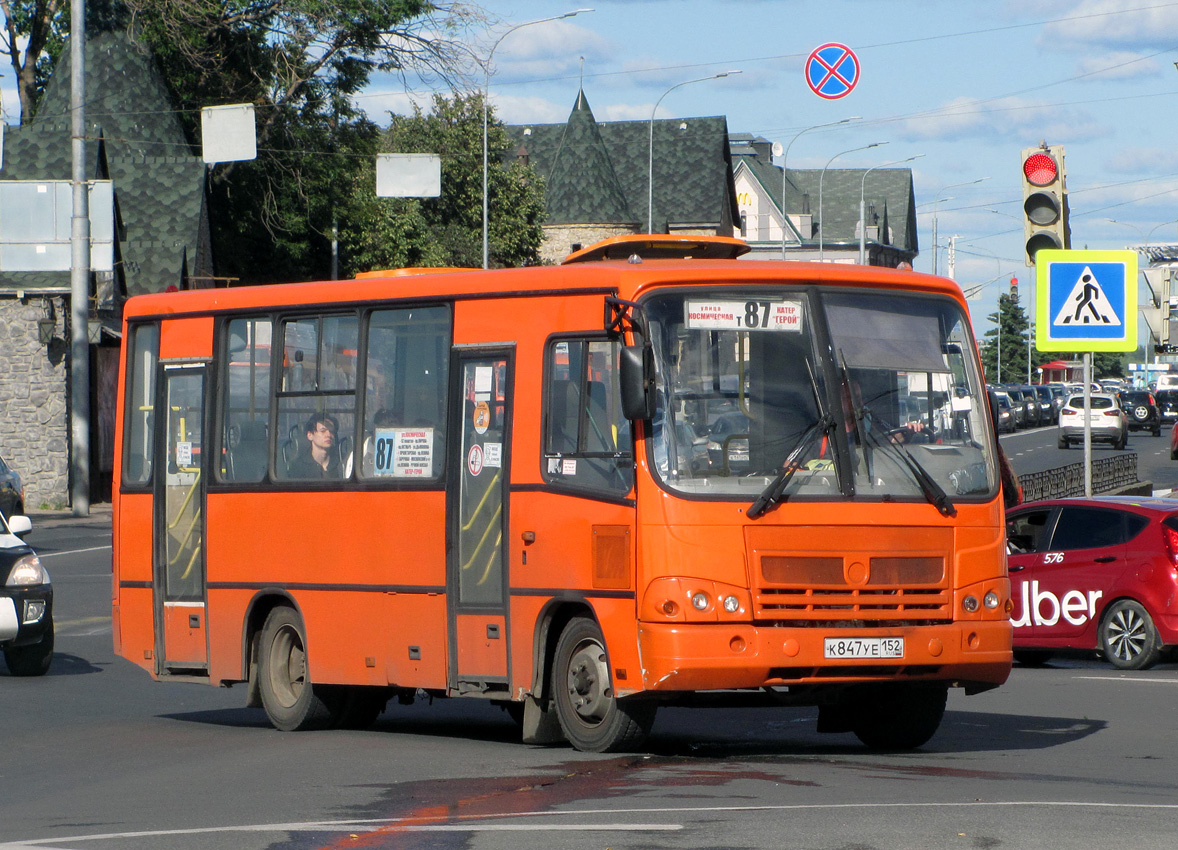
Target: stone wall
34, 393
560, 238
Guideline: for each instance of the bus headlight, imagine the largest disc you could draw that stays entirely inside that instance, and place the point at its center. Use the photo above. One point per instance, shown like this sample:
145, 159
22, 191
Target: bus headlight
731, 604
970, 604
991, 600
699, 601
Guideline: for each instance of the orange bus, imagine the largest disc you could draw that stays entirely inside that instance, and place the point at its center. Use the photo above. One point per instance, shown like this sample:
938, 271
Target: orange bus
652, 475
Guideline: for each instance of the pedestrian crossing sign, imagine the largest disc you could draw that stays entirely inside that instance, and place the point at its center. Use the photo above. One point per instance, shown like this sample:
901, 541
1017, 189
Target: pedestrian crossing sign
1085, 300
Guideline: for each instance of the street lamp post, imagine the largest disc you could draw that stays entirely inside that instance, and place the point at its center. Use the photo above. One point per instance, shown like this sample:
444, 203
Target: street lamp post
821, 177
785, 171
486, 97
936, 251
650, 159
863, 201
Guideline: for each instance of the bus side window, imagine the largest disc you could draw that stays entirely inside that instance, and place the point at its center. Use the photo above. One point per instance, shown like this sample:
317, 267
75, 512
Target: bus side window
142, 357
246, 402
408, 355
587, 441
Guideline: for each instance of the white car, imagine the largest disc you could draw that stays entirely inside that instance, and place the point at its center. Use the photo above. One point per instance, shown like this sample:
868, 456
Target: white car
1107, 421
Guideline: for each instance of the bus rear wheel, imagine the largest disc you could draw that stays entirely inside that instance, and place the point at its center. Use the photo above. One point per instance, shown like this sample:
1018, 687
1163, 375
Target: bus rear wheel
899, 717
591, 717
292, 702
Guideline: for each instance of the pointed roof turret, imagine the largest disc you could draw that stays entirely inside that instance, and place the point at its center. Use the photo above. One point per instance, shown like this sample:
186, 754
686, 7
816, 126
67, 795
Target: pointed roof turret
582, 183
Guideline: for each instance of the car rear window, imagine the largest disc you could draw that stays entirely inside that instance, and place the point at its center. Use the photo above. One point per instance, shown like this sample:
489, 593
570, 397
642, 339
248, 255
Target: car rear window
1098, 402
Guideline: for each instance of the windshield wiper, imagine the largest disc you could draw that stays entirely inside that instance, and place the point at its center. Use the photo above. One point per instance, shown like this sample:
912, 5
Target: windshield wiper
771, 495
932, 490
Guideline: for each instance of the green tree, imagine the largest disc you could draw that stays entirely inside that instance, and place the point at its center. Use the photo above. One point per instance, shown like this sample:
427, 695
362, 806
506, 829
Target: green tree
1008, 336
447, 230
34, 34
301, 62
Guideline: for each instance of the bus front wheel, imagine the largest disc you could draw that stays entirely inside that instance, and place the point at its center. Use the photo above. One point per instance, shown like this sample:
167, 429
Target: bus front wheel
292, 703
899, 717
591, 717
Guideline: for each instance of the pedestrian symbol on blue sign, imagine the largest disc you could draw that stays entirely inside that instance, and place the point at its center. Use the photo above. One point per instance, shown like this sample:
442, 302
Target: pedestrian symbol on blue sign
1086, 300
1087, 304
832, 70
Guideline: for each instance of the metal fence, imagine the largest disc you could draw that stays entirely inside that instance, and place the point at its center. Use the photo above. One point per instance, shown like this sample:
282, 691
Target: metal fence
1108, 473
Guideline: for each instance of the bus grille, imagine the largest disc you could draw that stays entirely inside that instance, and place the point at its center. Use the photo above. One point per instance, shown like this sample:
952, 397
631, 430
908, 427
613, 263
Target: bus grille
852, 591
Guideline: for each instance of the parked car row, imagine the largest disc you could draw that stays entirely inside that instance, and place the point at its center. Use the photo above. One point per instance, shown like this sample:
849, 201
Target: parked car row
1031, 405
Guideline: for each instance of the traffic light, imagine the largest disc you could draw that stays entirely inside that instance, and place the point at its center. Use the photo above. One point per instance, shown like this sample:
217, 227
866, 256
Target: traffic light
1045, 200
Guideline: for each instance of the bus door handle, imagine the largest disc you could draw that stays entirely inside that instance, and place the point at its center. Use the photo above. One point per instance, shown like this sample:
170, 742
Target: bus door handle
492, 631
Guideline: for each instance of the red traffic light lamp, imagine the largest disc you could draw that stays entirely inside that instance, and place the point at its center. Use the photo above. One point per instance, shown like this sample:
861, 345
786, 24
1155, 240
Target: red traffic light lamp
1045, 203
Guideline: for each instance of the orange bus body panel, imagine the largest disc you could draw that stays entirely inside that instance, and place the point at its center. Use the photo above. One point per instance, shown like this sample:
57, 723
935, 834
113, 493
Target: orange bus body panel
366, 566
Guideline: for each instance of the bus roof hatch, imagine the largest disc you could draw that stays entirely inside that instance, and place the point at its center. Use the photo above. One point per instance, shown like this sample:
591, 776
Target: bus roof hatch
661, 246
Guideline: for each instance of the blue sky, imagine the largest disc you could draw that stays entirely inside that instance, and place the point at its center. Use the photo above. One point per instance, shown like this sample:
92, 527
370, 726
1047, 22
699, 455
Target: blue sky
966, 84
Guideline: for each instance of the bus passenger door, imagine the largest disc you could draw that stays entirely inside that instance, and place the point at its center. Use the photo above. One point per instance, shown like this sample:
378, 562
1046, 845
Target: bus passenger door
178, 577
477, 522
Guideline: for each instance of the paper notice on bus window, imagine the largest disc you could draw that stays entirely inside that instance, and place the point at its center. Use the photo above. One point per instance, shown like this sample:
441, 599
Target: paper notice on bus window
750, 315
493, 454
482, 379
403, 452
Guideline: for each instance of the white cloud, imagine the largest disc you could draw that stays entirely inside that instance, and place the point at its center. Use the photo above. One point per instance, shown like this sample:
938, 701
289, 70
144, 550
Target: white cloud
1009, 117
1118, 65
1133, 160
1108, 24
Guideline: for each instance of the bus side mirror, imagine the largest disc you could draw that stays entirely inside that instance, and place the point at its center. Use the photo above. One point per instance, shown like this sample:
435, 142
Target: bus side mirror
636, 368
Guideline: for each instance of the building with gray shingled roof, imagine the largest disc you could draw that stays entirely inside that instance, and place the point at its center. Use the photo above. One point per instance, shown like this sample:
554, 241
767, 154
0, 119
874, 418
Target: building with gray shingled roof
888, 198
597, 177
161, 240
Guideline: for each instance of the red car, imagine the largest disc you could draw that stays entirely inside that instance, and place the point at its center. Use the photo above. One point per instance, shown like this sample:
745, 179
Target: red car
1098, 573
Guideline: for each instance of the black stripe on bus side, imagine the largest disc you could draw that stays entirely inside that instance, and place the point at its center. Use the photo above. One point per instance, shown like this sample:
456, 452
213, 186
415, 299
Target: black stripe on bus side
139, 584
575, 493
565, 593
355, 588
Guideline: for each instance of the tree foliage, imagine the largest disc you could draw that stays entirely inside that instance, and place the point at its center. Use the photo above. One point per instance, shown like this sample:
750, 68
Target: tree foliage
34, 34
447, 230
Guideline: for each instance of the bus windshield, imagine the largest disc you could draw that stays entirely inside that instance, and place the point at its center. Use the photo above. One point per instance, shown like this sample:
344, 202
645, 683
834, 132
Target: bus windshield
855, 394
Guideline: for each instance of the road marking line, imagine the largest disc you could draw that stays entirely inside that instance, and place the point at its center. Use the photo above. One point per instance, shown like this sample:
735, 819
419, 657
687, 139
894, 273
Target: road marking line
45, 555
395, 824
1129, 679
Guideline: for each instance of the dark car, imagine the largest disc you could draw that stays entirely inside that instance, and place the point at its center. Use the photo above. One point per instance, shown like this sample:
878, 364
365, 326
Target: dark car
1141, 410
1004, 413
1025, 396
1047, 409
1167, 404
12, 491
1098, 573
26, 603
728, 442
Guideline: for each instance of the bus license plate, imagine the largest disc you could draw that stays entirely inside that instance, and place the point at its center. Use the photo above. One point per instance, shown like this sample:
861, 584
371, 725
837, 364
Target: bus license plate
880, 647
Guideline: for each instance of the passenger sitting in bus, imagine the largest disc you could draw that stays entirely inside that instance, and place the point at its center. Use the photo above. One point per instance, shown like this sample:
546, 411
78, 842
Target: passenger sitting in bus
319, 459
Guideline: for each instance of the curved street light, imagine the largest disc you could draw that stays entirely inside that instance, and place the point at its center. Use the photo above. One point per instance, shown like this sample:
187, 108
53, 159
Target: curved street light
486, 96
650, 159
821, 177
862, 201
784, 170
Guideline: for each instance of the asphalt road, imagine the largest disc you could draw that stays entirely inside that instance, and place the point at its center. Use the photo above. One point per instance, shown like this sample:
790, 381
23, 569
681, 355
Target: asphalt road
95, 755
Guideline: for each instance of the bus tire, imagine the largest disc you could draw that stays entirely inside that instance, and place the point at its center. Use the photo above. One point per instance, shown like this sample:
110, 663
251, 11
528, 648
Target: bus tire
292, 702
899, 717
1128, 638
31, 660
591, 717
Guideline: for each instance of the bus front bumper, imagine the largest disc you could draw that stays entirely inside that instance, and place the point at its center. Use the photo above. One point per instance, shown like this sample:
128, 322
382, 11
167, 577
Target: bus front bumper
696, 657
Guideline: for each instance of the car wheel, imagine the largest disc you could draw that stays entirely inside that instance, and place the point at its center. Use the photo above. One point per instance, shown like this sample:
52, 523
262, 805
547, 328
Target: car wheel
31, 660
1063, 443
1173, 454
1157, 432
1128, 637
291, 701
591, 717
1032, 657
899, 717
